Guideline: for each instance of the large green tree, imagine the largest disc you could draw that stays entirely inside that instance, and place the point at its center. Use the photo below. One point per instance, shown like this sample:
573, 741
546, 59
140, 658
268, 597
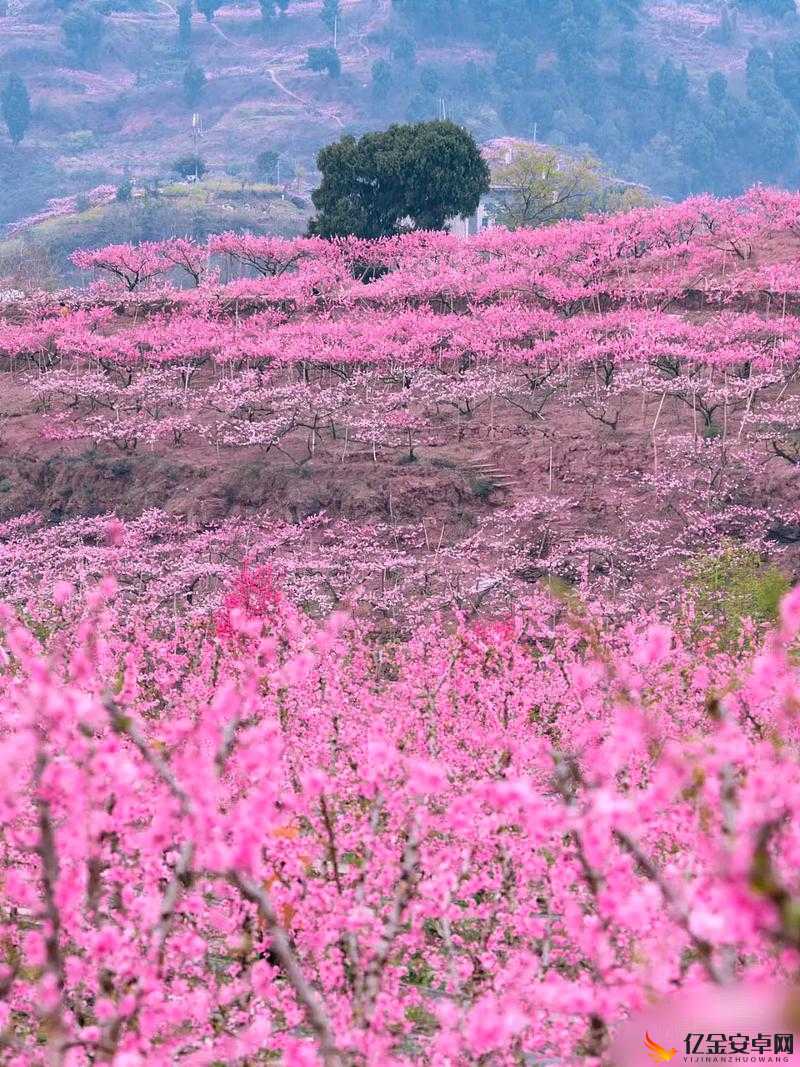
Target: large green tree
407, 177
16, 107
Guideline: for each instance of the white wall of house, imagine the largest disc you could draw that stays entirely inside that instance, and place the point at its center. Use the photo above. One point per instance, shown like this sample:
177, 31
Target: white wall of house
472, 224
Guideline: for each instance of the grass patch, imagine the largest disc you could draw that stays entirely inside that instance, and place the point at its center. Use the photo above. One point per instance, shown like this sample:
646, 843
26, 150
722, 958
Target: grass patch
733, 585
484, 487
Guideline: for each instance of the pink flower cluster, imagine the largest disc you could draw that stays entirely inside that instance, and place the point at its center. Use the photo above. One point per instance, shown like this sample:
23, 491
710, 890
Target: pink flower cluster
278, 837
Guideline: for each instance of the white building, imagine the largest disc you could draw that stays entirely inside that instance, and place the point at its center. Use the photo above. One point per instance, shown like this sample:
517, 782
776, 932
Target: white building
468, 227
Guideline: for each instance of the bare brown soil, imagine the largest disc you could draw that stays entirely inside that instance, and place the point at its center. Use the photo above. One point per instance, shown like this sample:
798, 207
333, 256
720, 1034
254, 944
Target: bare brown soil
600, 472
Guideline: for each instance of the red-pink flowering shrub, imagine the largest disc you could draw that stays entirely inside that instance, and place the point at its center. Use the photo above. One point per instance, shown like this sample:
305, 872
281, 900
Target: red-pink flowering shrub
254, 598
483, 843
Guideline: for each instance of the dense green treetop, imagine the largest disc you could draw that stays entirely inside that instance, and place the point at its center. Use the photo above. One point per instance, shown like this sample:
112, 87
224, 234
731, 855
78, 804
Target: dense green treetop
409, 176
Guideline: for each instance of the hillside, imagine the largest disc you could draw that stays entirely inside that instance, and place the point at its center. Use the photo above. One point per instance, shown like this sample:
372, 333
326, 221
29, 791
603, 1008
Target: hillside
108, 97
35, 253
398, 647
604, 400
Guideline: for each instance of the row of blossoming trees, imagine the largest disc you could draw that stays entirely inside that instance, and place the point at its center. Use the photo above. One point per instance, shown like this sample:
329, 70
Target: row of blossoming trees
680, 320
242, 827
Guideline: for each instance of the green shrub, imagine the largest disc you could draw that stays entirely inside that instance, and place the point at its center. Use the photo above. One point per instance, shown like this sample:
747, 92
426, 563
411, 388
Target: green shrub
736, 584
79, 140
484, 487
189, 167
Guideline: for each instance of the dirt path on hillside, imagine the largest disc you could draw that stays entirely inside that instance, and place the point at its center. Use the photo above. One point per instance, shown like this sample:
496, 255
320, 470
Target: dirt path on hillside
332, 115
214, 26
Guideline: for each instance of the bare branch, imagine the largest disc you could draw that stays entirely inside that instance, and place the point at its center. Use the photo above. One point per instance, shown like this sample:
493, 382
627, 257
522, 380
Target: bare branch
287, 961
406, 887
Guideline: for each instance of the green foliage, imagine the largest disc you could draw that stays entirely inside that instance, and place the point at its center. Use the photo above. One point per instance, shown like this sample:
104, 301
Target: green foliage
184, 27
543, 186
381, 80
717, 88
735, 584
124, 191
15, 105
189, 167
774, 8
725, 30
326, 59
407, 177
83, 31
269, 11
331, 11
209, 8
474, 80
430, 79
40, 257
551, 73
577, 19
79, 140
266, 165
194, 81
484, 487
403, 50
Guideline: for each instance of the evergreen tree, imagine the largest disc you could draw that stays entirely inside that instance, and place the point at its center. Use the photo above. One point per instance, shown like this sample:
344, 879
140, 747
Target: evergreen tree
189, 167
209, 8
381, 80
194, 80
672, 86
515, 64
474, 80
717, 88
786, 70
266, 164
83, 32
16, 107
431, 80
268, 11
403, 50
630, 72
330, 13
184, 27
725, 30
